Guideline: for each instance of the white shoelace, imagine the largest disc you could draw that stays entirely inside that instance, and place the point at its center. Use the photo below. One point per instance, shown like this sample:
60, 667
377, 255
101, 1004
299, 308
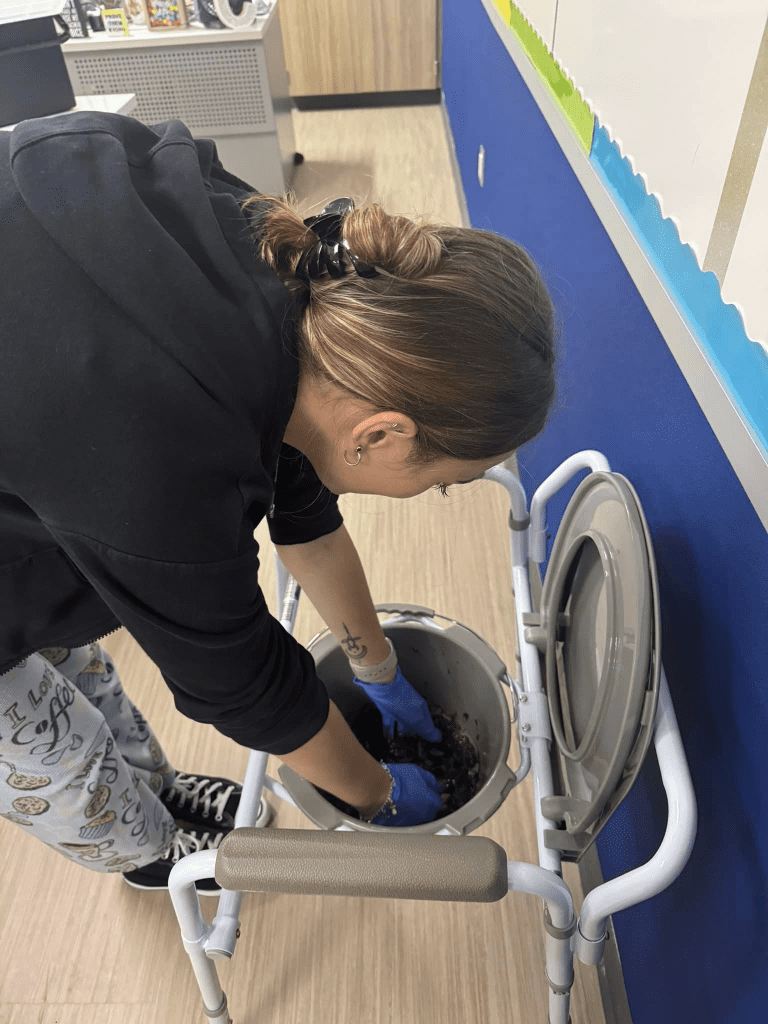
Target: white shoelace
194, 788
183, 843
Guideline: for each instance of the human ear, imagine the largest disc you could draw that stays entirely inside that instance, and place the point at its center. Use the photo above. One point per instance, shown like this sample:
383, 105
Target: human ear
372, 431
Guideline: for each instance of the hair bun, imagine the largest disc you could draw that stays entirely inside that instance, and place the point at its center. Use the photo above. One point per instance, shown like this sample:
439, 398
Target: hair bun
478, 294
397, 245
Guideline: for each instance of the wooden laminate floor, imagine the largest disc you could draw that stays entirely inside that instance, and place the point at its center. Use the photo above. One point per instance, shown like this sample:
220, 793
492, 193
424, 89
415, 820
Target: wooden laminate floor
80, 947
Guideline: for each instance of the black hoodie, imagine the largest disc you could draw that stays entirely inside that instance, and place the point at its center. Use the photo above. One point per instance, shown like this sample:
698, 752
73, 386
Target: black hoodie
148, 370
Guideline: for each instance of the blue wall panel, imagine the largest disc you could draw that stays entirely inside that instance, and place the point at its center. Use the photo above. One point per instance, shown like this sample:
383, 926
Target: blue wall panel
696, 953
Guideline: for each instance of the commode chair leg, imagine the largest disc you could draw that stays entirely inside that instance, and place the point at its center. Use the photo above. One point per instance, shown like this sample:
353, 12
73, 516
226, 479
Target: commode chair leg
560, 926
207, 943
194, 930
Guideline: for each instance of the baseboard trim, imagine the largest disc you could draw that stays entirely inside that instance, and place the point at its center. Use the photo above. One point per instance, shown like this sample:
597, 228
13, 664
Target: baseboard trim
458, 183
347, 101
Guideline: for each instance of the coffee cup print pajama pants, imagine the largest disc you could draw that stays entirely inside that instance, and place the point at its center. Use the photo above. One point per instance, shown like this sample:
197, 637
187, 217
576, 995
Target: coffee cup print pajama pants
80, 767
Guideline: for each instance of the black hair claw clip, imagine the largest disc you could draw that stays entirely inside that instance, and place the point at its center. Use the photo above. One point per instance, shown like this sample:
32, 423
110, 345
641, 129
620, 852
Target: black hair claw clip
330, 254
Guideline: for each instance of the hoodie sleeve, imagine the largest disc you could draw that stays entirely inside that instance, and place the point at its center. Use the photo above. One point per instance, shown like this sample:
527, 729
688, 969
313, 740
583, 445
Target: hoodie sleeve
304, 508
206, 626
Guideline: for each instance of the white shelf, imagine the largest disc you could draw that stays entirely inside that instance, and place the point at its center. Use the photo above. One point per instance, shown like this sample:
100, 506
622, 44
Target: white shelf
123, 103
141, 37
26, 10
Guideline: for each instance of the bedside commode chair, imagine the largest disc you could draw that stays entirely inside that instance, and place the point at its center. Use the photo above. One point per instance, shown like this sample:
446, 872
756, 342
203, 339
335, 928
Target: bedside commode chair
589, 697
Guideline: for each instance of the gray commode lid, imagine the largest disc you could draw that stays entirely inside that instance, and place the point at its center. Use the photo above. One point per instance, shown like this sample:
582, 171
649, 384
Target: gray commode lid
599, 637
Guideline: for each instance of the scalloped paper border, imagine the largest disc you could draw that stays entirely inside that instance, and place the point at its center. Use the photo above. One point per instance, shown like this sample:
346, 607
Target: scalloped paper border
741, 361
573, 106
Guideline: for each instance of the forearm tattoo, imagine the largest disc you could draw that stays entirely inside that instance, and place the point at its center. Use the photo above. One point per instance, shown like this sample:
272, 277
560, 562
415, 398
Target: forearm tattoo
354, 649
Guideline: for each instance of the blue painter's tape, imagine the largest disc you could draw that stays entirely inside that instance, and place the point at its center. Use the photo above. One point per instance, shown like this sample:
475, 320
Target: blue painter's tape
741, 362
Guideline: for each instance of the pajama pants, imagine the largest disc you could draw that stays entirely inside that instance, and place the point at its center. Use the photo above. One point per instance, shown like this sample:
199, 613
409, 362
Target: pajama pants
80, 769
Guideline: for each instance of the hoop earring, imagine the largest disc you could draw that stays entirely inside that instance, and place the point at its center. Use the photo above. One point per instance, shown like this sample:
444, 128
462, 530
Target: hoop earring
359, 456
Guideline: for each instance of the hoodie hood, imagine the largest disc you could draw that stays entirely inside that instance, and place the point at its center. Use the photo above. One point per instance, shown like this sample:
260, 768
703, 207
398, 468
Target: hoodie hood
150, 215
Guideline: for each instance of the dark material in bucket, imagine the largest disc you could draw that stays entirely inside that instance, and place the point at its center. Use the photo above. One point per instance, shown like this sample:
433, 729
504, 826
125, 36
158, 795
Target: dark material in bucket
33, 77
462, 680
454, 761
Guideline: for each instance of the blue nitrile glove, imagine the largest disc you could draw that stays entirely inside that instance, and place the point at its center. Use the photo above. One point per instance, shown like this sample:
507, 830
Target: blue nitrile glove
416, 796
399, 702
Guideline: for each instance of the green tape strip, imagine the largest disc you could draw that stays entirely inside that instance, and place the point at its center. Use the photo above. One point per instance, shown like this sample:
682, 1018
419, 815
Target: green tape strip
575, 109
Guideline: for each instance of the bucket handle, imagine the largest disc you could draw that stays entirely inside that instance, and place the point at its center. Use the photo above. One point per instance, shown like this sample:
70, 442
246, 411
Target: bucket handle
418, 610
407, 609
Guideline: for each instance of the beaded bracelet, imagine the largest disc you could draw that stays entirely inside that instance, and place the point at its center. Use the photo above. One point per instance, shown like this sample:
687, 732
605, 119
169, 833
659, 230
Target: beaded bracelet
388, 805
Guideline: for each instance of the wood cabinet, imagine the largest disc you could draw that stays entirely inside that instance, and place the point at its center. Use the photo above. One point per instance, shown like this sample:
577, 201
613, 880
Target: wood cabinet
335, 47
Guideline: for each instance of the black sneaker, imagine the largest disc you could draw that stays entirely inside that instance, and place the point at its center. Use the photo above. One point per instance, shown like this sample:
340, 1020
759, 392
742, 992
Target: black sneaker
155, 875
208, 801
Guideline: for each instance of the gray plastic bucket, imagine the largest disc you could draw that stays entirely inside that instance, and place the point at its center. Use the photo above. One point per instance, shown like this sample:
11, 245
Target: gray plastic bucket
449, 666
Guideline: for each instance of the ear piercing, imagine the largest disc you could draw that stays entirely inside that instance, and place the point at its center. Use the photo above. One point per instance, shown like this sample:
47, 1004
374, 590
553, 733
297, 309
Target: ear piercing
359, 453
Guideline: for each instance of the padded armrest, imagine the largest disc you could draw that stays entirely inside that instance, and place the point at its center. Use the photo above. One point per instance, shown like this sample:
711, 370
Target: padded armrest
468, 869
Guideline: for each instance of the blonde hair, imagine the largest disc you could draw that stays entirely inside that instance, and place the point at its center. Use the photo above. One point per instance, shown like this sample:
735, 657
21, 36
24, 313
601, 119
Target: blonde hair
457, 331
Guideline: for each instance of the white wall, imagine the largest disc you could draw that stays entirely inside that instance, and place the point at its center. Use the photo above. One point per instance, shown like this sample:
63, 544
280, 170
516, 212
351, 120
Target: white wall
668, 79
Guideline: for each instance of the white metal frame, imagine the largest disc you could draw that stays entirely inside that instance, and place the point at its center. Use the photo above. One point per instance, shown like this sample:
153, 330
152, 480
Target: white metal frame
565, 935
